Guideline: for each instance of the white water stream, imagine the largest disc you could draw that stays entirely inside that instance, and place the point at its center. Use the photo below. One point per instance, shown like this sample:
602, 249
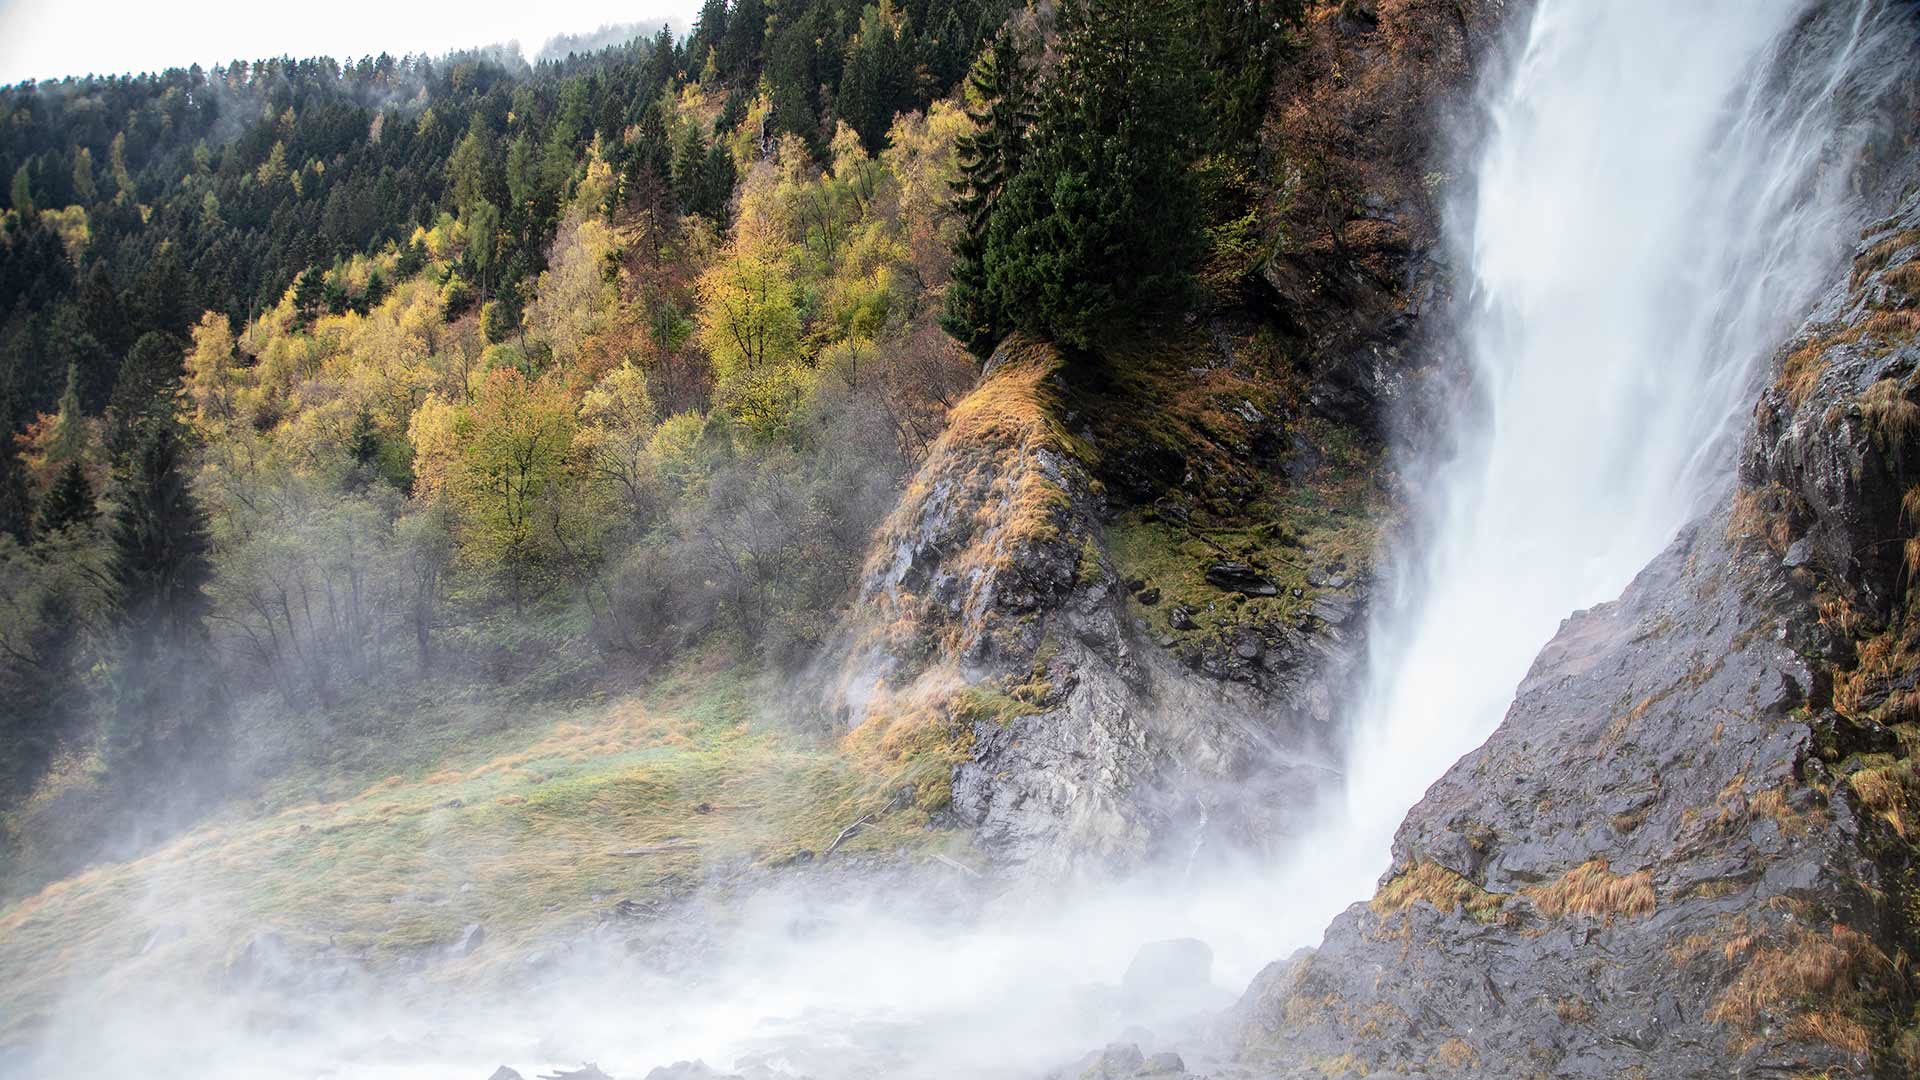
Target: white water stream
1657, 201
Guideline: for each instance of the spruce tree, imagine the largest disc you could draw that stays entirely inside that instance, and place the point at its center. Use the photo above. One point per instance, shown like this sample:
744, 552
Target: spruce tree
69, 502
716, 183
1000, 87
309, 296
159, 568
42, 690
16, 502
148, 388
1101, 223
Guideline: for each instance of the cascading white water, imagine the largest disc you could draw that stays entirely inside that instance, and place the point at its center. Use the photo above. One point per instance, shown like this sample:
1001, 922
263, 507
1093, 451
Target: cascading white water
1659, 195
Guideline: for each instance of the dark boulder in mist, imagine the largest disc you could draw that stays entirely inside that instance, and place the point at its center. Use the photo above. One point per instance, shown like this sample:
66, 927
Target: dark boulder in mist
504, 1073
689, 1070
1124, 1061
589, 1071
1161, 969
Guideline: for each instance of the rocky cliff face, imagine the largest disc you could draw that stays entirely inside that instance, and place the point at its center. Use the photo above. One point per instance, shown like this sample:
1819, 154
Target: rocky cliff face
1361, 122
1688, 849
1115, 668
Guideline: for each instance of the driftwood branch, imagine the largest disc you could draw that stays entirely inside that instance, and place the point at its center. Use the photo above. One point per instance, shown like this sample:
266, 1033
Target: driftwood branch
847, 833
655, 849
956, 864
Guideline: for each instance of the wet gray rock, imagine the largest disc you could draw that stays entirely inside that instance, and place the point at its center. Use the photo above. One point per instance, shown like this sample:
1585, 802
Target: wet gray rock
1175, 966
504, 1073
587, 1072
470, 939
1799, 554
1241, 578
689, 1070
1123, 1061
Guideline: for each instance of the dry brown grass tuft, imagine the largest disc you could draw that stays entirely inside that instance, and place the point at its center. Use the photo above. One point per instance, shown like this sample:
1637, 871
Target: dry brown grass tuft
1760, 515
915, 738
1888, 791
1800, 372
1833, 1028
1455, 1054
1573, 1011
1441, 888
1838, 614
1806, 967
1880, 254
1890, 416
1774, 803
1876, 661
1591, 889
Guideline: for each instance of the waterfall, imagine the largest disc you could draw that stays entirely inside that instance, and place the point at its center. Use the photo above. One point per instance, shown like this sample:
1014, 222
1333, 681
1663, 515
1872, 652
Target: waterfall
1661, 190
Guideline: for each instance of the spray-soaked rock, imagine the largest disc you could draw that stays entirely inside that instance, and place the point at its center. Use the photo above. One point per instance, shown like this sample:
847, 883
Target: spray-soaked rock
1241, 578
1124, 1061
1666, 861
470, 940
588, 1072
689, 1070
1161, 968
996, 571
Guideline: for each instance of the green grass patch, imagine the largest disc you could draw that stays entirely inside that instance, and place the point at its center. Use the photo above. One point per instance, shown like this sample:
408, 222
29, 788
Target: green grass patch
529, 830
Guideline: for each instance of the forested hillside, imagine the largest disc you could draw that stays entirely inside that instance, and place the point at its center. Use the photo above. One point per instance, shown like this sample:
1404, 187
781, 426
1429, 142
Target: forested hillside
326, 381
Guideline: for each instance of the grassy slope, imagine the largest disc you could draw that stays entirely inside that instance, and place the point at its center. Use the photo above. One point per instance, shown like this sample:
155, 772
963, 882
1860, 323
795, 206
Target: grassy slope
520, 829
435, 808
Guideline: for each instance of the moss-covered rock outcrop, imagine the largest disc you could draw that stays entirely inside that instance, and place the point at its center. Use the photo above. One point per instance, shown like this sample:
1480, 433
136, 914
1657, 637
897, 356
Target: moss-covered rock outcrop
1120, 595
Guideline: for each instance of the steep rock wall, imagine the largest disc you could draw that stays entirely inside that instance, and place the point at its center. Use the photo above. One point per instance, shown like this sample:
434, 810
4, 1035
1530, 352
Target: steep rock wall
994, 619
1686, 851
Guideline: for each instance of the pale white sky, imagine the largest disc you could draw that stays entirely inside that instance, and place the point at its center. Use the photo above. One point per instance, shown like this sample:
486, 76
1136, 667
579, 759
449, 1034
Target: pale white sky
42, 39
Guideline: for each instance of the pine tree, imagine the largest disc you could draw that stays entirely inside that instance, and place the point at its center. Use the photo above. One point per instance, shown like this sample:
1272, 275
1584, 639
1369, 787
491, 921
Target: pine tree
689, 169
1101, 224
42, 691
69, 502
159, 568
1240, 43
309, 297
1000, 89
22, 193
740, 46
716, 183
68, 441
946, 49
877, 80
16, 502
148, 389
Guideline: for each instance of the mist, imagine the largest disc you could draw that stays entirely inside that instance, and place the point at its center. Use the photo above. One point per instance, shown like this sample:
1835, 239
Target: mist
1641, 217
